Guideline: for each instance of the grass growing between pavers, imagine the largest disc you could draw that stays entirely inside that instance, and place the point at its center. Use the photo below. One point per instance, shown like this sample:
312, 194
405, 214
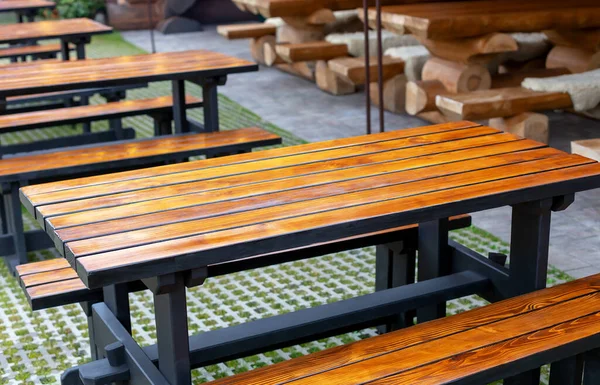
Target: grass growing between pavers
36, 347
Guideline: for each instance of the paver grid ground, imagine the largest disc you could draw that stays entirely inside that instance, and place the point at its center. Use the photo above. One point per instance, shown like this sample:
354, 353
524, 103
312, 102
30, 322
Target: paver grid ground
36, 347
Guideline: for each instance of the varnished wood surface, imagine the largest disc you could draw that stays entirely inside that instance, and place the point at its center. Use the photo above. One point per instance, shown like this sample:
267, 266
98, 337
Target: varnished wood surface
311, 51
121, 226
25, 5
23, 167
51, 29
448, 349
29, 50
500, 102
465, 19
37, 119
31, 78
353, 68
246, 31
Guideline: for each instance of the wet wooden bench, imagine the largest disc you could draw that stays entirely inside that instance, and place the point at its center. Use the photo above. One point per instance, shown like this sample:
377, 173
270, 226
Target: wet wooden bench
54, 283
514, 337
46, 51
97, 159
160, 109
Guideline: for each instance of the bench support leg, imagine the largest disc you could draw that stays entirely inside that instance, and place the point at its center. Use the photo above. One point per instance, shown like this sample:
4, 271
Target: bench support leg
179, 109
116, 298
394, 267
434, 261
87, 309
211, 106
64, 50
591, 372
529, 243
567, 372
15, 227
172, 329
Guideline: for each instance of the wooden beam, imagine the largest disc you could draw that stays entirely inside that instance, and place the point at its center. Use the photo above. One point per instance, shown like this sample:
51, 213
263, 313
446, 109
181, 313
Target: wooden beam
288, 33
457, 77
498, 103
514, 79
528, 125
353, 68
246, 31
303, 70
590, 148
478, 50
421, 95
330, 82
312, 51
587, 39
575, 59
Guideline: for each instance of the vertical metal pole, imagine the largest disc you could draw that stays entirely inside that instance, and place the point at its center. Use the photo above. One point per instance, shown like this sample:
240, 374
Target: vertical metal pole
179, 113
434, 261
64, 49
172, 334
80, 49
151, 26
379, 67
210, 99
367, 65
15, 222
116, 298
530, 237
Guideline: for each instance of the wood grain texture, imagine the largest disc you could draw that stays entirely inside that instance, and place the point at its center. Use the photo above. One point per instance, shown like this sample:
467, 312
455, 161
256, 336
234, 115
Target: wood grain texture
51, 29
500, 102
38, 119
587, 39
41, 266
25, 5
479, 49
29, 78
463, 19
22, 167
37, 193
589, 148
312, 51
29, 50
246, 31
454, 339
353, 68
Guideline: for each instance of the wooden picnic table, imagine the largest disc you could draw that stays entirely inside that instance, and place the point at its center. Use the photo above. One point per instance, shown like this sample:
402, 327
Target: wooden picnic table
449, 20
209, 69
74, 31
166, 226
25, 8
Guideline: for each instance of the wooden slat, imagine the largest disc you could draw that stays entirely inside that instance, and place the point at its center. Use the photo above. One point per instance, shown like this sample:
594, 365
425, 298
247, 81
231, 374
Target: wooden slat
353, 68
501, 102
75, 74
237, 199
29, 50
126, 264
59, 275
246, 31
70, 286
20, 167
41, 267
31, 191
37, 119
463, 19
41, 194
101, 207
51, 29
370, 359
390, 186
25, 5
311, 51
590, 148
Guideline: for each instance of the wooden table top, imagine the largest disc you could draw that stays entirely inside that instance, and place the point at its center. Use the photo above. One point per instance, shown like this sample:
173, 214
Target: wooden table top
468, 18
132, 225
25, 5
50, 29
38, 77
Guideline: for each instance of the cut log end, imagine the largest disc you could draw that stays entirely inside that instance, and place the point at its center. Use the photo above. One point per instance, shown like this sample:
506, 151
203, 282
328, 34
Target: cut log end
257, 48
528, 125
420, 96
457, 77
575, 59
394, 94
331, 82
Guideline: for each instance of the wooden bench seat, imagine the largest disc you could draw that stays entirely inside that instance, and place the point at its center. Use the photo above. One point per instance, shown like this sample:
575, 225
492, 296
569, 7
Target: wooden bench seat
353, 68
54, 283
89, 113
46, 51
246, 31
480, 346
311, 51
500, 102
67, 163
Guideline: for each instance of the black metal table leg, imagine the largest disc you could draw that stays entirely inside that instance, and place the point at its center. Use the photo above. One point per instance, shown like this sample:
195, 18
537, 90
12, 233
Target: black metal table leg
171, 328
15, 227
394, 267
179, 112
591, 372
211, 105
567, 372
434, 261
116, 298
80, 48
530, 237
64, 50
87, 126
